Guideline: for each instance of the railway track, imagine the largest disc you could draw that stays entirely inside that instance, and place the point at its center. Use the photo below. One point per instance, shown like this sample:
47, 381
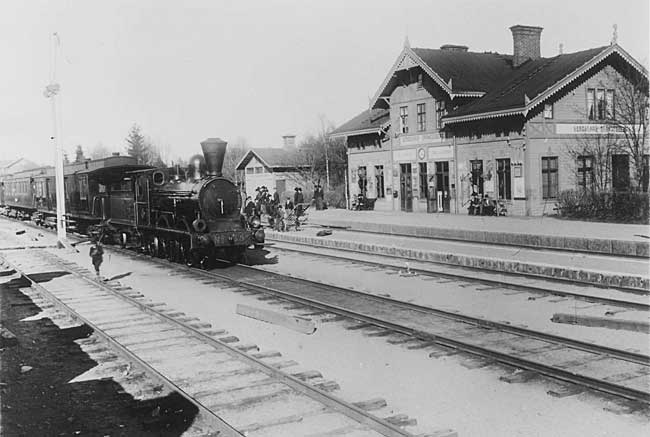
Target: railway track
515, 282
443, 262
239, 392
464, 274
581, 365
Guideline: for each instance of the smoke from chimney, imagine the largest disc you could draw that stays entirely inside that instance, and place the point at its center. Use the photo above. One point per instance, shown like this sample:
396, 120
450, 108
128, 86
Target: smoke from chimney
214, 150
526, 43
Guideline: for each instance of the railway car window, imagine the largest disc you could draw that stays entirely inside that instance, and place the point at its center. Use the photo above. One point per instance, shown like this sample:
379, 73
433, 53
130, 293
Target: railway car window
101, 188
83, 187
123, 185
158, 178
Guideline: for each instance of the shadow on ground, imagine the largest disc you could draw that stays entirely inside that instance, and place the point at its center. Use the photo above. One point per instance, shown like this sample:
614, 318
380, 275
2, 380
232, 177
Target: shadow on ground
42, 402
256, 257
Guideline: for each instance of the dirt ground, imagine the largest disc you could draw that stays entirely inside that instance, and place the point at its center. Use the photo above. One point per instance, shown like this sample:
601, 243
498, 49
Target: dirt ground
42, 402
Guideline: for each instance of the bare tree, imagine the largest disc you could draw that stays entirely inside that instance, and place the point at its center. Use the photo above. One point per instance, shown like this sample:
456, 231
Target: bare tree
629, 116
322, 158
234, 153
625, 119
99, 151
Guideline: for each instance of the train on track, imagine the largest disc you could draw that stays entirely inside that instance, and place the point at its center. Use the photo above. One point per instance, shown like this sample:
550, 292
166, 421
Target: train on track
188, 215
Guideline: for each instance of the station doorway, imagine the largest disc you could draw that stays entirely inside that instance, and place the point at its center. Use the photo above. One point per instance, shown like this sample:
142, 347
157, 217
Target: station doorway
442, 186
406, 187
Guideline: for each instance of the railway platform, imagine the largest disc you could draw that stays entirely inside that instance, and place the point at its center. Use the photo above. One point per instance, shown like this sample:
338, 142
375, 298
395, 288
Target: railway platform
614, 255
542, 232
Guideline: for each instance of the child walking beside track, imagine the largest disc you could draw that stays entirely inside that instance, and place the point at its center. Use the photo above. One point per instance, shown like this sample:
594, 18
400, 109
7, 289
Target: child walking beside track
97, 256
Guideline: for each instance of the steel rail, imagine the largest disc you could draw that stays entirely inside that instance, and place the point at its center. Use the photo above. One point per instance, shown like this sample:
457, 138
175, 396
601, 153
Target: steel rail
550, 371
547, 370
575, 344
512, 286
359, 415
554, 372
215, 420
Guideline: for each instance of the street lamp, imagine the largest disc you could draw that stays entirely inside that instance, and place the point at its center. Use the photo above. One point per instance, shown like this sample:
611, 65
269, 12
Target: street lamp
51, 92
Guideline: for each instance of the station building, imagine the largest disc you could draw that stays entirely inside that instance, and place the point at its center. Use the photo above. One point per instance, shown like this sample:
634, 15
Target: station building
283, 168
448, 122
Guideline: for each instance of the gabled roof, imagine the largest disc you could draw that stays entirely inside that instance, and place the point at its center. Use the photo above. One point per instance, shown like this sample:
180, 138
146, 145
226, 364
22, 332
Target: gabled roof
499, 88
466, 71
529, 82
20, 163
274, 158
368, 122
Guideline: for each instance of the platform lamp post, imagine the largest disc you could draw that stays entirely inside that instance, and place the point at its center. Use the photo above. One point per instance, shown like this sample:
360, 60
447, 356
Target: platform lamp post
51, 92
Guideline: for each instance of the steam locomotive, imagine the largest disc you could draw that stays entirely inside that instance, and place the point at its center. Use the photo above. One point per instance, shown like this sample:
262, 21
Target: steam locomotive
192, 216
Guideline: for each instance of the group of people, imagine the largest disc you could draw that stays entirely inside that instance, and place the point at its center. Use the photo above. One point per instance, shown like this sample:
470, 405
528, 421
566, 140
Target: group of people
483, 205
280, 215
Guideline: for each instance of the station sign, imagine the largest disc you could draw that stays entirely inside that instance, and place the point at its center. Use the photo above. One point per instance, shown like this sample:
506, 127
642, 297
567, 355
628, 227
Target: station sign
590, 129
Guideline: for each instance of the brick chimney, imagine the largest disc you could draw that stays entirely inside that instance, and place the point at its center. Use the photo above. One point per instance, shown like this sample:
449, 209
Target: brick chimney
526, 43
289, 141
454, 48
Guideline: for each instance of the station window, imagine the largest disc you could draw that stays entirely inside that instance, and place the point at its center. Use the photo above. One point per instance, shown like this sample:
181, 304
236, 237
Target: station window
609, 104
259, 170
503, 178
420, 80
424, 189
250, 170
404, 119
600, 104
585, 171
422, 117
379, 179
363, 180
441, 111
83, 187
477, 176
549, 177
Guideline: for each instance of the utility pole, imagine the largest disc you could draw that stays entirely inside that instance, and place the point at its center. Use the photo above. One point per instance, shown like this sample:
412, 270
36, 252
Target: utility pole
51, 92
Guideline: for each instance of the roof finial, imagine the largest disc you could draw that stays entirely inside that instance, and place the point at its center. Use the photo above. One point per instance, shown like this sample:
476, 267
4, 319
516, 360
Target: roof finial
407, 44
561, 48
615, 35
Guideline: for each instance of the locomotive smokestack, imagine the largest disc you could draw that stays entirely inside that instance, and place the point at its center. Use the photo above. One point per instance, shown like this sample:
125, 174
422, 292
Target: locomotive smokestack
214, 150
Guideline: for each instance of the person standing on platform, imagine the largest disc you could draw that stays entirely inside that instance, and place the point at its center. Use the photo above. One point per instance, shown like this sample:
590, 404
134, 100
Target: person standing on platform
276, 197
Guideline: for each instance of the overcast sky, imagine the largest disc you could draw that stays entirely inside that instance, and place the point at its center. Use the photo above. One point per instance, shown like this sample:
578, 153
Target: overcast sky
188, 70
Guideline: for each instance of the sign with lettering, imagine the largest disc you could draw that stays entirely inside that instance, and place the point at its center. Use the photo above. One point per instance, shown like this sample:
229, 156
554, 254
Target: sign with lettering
421, 139
589, 129
404, 155
440, 153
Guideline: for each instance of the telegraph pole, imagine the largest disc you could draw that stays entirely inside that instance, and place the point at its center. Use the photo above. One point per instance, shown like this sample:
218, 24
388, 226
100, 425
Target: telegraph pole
51, 92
